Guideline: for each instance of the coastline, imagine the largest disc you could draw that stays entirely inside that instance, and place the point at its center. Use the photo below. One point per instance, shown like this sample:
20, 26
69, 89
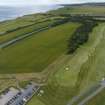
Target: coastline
54, 7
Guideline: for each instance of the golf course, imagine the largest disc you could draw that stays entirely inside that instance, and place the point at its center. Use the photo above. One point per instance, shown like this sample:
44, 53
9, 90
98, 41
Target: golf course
63, 53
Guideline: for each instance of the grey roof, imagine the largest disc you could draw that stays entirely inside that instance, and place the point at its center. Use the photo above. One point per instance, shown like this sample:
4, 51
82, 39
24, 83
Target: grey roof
24, 95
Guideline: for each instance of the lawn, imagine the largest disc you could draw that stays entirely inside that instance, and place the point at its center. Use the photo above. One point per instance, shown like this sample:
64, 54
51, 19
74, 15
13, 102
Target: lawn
98, 99
74, 73
35, 101
35, 53
94, 67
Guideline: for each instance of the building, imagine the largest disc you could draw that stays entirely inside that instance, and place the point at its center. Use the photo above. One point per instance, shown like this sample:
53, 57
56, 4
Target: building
14, 96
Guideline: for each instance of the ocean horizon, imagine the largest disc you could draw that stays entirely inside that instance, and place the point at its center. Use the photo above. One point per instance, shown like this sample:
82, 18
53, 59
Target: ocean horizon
10, 12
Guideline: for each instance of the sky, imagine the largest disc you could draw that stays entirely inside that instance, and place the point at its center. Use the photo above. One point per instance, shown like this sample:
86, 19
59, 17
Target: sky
37, 2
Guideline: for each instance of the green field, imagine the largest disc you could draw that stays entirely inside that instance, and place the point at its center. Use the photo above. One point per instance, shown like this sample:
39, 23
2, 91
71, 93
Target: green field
80, 10
43, 57
95, 71
21, 21
35, 53
25, 30
98, 99
26, 21
16, 31
9, 36
35, 101
65, 84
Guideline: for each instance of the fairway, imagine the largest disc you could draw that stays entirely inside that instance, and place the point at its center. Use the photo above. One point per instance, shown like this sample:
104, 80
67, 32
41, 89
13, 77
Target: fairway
100, 98
65, 84
35, 53
95, 70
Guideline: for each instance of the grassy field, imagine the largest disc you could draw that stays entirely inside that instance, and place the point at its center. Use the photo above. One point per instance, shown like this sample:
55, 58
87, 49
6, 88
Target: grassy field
21, 21
35, 53
45, 53
20, 32
35, 101
79, 59
66, 83
16, 28
95, 71
98, 99
80, 10
94, 67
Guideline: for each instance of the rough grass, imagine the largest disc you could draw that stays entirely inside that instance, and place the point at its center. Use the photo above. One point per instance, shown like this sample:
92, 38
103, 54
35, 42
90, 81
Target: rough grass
35, 101
23, 31
80, 10
98, 99
37, 52
95, 71
94, 67
20, 22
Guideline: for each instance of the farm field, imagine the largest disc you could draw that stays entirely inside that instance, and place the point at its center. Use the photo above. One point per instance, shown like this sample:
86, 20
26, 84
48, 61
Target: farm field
35, 25
45, 47
95, 71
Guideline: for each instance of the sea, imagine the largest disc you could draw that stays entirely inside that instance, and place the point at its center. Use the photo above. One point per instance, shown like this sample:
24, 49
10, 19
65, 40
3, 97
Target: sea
12, 12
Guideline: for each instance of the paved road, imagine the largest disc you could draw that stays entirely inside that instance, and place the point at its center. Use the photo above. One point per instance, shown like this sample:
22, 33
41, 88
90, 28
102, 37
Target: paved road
102, 86
3, 45
24, 95
84, 101
7, 95
76, 98
91, 96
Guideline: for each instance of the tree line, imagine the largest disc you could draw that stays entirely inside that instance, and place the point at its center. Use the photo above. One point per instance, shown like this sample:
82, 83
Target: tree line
80, 36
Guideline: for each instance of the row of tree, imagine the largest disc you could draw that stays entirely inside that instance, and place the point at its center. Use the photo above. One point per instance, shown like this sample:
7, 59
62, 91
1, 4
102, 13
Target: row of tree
80, 36
22, 27
60, 21
69, 18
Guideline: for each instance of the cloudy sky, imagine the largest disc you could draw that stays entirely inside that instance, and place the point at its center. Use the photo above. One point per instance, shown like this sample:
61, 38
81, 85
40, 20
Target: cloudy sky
34, 2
